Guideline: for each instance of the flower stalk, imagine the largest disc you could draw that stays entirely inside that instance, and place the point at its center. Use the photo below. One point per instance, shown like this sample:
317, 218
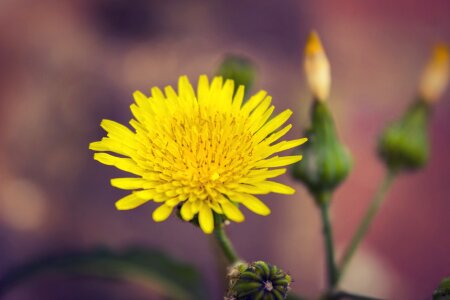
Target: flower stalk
367, 220
404, 144
332, 270
225, 245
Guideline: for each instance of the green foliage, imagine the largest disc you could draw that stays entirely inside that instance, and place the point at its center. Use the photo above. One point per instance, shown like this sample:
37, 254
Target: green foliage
175, 280
404, 144
326, 161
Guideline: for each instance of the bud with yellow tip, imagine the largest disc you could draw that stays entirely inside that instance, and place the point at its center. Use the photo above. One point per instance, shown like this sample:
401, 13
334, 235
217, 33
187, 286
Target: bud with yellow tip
317, 68
435, 75
404, 144
326, 160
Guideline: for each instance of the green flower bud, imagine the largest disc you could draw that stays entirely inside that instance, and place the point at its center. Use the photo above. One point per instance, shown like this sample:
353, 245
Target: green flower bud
443, 290
326, 161
240, 69
257, 281
404, 145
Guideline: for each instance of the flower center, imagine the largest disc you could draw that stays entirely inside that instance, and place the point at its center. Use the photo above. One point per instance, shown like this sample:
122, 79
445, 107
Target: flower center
205, 151
268, 286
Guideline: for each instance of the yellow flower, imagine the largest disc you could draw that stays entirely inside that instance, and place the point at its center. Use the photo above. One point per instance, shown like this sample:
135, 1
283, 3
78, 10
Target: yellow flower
201, 151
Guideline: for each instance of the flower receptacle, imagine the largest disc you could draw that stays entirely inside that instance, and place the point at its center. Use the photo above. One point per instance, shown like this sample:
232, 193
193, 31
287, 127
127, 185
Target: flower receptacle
326, 161
404, 145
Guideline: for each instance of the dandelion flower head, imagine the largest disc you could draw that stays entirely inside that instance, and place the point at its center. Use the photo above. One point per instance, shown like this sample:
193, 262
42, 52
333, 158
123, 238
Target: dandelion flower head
202, 151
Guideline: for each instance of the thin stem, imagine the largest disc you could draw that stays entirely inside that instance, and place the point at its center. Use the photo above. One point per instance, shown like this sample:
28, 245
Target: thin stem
364, 226
225, 244
328, 240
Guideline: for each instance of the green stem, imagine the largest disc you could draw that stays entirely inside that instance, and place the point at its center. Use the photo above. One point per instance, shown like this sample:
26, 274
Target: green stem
225, 244
329, 248
366, 221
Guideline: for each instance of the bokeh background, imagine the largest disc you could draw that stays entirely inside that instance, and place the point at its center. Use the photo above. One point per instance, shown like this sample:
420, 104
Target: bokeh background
66, 64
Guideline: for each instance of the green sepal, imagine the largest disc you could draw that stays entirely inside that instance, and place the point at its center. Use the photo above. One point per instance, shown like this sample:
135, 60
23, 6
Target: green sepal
404, 144
326, 161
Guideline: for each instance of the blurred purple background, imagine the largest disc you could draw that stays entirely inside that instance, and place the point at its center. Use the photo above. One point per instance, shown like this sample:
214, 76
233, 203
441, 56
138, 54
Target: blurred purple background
66, 64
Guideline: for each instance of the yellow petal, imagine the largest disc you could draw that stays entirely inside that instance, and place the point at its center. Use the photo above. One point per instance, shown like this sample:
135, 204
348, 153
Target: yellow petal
157, 94
216, 207
253, 102
147, 195
115, 129
185, 88
128, 183
285, 145
129, 202
276, 187
226, 95
277, 161
252, 203
100, 146
203, 89
162, 213
259, 175
251, 189
272, 125
260, 109
232, 212
275, 136
262, 120
238, 99
140, 98
186, 211
206, 219
124, 164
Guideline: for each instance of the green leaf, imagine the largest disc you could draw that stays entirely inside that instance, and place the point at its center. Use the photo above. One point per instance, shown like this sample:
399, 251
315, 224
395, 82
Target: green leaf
153, 268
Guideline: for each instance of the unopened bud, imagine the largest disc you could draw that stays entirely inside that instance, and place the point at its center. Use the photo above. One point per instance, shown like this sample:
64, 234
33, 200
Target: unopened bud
326, 161
317, 68
259, 281
404, 144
